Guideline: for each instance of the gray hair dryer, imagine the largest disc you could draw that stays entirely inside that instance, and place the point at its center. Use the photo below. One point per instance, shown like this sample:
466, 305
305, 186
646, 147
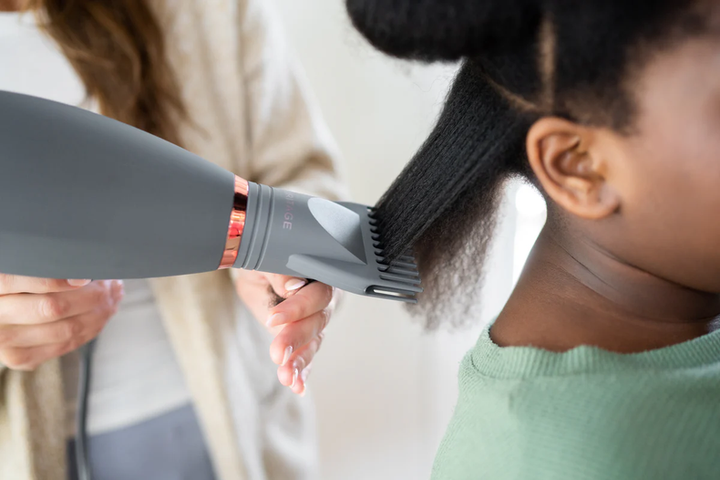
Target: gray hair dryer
85, 196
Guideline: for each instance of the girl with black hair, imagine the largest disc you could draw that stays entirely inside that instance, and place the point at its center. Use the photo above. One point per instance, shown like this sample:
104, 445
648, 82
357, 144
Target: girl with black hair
605, 362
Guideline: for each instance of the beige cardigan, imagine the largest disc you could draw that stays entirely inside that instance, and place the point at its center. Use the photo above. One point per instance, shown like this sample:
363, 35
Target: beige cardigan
250, 114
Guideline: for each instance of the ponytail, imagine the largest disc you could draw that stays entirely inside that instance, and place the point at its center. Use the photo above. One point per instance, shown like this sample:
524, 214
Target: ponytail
444, 202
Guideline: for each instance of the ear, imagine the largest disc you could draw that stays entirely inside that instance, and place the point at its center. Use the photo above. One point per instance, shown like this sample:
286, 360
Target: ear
570, 168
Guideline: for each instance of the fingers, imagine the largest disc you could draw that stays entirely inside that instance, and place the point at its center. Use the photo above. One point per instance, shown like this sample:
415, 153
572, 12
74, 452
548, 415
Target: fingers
34, 309
34, 345
295, 373
32, 357
295, 380
286, 286
299, 322
11, 284
76, 330
50, 326
296, 335
307, 301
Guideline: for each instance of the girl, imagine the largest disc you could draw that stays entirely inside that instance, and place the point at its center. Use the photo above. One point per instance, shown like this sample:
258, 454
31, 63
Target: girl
605, 362
182, 386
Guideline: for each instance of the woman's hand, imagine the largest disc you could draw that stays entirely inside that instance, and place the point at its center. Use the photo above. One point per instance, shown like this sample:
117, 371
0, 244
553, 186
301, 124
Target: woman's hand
41, 318
296, 312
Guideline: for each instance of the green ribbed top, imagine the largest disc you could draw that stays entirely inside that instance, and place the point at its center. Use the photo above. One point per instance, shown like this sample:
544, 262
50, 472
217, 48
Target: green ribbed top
585, 414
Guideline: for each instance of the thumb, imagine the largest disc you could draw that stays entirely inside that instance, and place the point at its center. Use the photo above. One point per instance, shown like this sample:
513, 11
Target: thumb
284, 285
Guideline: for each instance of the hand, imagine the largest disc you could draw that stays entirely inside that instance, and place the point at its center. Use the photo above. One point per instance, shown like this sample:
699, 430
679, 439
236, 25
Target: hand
42, 318
296, 312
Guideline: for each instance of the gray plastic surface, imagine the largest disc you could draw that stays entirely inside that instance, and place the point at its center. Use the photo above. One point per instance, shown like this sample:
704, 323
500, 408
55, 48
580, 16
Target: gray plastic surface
85, 196
299, 235
288, 222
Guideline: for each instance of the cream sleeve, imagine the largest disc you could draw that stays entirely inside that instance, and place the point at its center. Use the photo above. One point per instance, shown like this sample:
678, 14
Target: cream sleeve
289, 143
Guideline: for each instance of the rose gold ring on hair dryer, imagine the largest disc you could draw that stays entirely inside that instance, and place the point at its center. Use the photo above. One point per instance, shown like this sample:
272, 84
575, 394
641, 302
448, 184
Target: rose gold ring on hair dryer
237, 223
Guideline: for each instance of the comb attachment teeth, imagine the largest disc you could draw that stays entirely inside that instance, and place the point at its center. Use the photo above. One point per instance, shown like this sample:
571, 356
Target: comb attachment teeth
400, 279
411, 272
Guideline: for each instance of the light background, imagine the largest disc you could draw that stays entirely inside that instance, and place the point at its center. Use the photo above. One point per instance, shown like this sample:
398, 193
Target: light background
384, 389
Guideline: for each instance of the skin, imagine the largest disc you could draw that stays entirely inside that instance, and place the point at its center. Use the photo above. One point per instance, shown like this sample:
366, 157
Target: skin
297, 322
41, 319
629, 258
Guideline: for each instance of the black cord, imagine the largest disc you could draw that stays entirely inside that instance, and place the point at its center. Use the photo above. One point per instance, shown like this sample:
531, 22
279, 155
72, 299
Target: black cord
82, 461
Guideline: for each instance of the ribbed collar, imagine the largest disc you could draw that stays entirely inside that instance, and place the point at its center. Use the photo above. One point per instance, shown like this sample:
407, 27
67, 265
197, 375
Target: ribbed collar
493, 361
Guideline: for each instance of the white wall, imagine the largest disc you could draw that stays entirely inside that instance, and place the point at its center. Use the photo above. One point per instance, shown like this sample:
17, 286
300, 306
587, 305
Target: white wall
384, 389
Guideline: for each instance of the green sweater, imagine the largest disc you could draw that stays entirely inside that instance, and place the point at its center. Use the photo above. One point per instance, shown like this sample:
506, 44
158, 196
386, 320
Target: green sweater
586, 414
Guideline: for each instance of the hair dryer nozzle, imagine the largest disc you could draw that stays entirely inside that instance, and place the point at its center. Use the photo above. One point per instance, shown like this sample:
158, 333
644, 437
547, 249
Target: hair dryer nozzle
335, 243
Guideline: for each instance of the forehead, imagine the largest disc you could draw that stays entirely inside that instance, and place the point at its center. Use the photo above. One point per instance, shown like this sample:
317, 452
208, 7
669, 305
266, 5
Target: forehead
681, 83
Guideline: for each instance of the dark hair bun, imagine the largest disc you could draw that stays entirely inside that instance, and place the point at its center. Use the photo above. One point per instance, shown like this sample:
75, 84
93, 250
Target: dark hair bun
443, 29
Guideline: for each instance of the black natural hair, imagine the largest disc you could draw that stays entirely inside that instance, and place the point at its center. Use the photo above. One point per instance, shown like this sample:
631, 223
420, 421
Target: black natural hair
521, 59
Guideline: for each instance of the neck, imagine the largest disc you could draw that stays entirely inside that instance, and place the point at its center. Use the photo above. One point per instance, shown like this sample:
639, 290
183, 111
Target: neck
573, 293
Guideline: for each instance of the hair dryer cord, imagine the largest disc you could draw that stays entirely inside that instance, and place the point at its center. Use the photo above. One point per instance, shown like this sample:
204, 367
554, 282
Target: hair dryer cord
82, 461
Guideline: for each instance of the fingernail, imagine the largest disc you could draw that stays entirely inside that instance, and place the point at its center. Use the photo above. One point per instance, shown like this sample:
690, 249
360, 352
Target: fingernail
275, 320
302, 394
305, 374
118, 290
78, 283
294, 284
288, 352
295, 377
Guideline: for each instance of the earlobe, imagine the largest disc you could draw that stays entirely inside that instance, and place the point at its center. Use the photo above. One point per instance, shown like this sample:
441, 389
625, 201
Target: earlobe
570, 169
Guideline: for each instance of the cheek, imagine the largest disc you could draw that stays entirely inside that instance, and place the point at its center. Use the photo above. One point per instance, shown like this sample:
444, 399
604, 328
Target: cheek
668, 175
676, 163
670, 189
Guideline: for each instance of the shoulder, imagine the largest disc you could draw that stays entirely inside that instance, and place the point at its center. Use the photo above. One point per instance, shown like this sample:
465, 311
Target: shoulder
621, 425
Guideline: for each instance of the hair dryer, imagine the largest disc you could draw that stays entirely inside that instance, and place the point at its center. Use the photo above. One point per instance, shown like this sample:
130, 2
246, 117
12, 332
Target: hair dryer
85, 196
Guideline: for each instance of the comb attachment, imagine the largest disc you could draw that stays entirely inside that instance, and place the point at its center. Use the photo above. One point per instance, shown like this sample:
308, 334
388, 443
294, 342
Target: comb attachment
336, 243
400, 277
